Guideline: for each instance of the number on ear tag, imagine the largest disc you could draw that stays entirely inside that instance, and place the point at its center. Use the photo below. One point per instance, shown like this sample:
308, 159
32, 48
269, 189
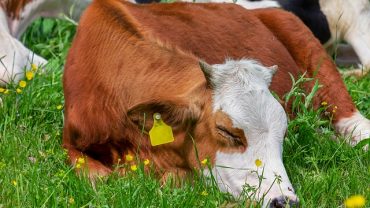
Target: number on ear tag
160, 133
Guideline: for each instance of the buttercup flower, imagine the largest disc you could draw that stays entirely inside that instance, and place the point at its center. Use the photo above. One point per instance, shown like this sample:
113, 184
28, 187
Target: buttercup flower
14, 182
29, 75
19, 91
133, 167
258, 163
146, 162
81, 160
2, 90
324, 103
129, 157
205, 161
59, 107
355, 201
22, 84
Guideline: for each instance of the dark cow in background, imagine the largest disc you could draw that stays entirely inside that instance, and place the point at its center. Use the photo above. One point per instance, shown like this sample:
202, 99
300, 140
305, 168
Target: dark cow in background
15, 16
310, 13
146, 59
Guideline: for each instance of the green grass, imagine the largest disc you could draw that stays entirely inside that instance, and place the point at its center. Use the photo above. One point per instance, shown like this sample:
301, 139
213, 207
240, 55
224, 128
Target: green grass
34, 172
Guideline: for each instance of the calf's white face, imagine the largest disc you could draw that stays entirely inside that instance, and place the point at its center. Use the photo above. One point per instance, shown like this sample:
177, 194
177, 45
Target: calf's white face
241, 92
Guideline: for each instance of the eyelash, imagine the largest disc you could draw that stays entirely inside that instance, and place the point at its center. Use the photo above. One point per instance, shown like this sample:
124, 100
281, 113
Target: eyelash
225, 133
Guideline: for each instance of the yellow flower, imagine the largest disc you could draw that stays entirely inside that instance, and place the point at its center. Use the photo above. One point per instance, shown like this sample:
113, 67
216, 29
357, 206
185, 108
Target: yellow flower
205, 161
22, 84
29, 75
78, 165
129, 157
81, 160
335, 107
6, 91
133, 167
204, 193
14, 182
59, 107
324, 103
19, 91
2, 89
34, 67
71, 200
355, 201
334, 111
258, 163
146, 162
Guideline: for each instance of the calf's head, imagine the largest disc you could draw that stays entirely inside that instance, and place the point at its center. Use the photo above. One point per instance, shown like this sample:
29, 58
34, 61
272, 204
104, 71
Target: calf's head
256, 124
240, 122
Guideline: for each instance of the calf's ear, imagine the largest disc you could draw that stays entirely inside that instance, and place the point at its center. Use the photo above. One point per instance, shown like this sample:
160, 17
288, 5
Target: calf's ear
269, 73
207, 71
176, 114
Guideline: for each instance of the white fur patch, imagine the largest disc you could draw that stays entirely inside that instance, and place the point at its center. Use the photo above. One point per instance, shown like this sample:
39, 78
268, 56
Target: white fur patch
258, 4
243, 3
350, 21
3, 21
15, 57
356, 127
241, 91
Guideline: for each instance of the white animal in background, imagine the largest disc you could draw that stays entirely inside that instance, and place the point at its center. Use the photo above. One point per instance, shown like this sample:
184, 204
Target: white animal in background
15, 17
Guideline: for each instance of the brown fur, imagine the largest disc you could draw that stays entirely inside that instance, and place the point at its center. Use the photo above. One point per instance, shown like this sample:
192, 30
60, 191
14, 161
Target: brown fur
107, 97
13, 7
122, 68
224, 32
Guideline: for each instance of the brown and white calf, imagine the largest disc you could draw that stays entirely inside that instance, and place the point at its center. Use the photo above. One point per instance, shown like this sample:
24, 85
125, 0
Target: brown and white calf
15, 16
129, 61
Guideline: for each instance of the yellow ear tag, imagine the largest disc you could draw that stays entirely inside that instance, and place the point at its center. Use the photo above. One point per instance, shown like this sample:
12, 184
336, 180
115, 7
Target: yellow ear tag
160, 133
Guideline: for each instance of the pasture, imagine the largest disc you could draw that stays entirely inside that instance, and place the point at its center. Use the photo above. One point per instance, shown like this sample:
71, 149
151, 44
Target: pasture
34, 172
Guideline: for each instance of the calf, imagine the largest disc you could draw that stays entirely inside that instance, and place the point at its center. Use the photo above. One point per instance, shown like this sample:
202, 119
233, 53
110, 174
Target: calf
128, 62
15, 16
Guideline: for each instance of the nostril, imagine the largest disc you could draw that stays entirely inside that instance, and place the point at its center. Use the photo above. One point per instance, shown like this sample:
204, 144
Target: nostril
283, 202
